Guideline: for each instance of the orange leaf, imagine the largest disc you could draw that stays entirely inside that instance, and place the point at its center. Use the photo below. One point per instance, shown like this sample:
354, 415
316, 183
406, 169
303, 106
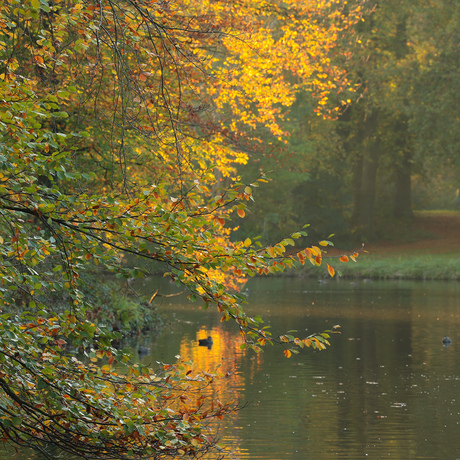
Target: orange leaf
330, 270
287, 353
240, 212
318, 260
88, 256
344, 259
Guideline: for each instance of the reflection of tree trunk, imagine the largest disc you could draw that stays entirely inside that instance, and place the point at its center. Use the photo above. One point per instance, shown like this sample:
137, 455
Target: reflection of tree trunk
402, 206
369, 176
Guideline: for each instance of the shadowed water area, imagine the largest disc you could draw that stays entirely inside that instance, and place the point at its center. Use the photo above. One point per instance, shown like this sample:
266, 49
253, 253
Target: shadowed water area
387, 388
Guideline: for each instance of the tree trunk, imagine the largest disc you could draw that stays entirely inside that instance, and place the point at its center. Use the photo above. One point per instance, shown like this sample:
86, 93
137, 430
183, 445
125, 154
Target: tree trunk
357, 184
368, 187
402, 206
369, 176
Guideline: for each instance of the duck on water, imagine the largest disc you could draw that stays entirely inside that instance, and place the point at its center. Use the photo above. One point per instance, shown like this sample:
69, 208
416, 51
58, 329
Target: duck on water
143, 350
205, 342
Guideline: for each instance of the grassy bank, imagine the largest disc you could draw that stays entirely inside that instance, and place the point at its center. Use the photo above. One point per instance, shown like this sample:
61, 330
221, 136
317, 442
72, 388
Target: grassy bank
417, 267
429, 249
413, 267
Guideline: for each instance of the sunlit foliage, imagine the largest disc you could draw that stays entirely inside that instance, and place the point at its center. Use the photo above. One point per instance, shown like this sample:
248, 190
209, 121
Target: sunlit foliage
121, 125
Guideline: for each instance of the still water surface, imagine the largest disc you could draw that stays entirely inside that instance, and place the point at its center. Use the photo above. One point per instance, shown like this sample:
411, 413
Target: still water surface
387, 388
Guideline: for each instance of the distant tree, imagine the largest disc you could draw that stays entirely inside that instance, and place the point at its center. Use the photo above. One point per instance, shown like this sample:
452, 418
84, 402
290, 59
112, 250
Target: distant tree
434, 120
402, 121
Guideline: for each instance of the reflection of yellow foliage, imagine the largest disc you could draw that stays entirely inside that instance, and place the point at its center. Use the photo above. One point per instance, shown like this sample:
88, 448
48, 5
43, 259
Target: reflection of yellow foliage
224, 351
226, 356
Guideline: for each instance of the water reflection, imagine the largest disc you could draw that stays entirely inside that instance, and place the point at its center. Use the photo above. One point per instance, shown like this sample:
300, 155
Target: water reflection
387, 388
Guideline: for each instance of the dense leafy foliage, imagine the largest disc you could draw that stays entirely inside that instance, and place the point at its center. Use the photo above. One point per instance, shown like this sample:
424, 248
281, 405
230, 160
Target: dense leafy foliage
107, 152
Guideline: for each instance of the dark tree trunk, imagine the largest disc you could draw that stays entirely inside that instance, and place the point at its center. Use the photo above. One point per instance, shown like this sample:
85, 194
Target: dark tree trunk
402, 206
366, 211
368, 192
357, 184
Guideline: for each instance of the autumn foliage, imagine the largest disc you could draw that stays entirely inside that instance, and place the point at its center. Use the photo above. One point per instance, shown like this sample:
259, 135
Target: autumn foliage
122, 123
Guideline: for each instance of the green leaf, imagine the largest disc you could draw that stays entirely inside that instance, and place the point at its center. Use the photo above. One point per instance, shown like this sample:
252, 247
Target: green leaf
16, 421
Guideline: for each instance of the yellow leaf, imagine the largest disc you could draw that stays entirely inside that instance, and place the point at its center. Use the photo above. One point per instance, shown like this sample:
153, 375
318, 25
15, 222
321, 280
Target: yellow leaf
323, 243
247, 242
317, 249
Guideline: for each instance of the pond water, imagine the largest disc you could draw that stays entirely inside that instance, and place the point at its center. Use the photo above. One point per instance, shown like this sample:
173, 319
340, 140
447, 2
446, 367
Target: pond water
386, 388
